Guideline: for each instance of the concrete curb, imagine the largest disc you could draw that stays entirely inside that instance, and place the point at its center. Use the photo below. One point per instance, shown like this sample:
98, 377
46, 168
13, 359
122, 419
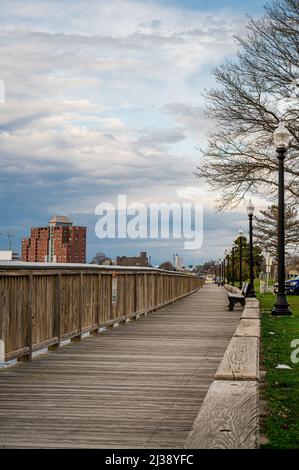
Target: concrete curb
229, 415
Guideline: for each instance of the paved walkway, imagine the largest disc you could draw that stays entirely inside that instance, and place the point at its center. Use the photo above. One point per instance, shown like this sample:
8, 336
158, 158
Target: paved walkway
137, 386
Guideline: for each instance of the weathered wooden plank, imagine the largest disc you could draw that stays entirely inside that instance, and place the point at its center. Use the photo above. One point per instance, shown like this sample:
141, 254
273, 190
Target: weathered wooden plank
139, 385
228, 418
241, 360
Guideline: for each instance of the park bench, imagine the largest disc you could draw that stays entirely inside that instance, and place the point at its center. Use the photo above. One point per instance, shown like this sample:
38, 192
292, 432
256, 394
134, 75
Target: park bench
234, 298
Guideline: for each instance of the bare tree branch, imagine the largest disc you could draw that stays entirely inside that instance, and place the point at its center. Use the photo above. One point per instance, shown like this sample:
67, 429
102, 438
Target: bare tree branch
240, 156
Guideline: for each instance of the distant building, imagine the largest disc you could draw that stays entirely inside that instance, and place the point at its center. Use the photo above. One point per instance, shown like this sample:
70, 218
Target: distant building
60, 242
178, 262
9, 255
292, 270
292, 273
141, 260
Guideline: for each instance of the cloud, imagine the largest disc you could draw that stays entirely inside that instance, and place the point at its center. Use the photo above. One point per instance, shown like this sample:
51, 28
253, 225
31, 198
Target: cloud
161, 136
102, 98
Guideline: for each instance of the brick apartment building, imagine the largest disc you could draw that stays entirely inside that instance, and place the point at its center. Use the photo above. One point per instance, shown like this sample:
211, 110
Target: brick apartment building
59, 242
141, 260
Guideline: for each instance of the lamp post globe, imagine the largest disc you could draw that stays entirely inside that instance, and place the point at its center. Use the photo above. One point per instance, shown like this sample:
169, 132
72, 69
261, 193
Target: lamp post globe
282, 139
250, 208
250, 212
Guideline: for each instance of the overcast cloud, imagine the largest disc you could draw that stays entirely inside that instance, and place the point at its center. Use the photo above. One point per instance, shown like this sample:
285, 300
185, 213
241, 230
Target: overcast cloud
105, 98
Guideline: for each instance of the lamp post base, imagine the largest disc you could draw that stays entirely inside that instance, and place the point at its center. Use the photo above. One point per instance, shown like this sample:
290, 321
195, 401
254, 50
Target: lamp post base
251, 294
281, 307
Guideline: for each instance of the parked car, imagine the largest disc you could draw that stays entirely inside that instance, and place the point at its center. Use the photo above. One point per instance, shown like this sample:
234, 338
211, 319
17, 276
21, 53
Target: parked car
291, 286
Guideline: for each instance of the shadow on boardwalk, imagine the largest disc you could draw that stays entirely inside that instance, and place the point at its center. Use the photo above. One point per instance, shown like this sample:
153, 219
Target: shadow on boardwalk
137, 386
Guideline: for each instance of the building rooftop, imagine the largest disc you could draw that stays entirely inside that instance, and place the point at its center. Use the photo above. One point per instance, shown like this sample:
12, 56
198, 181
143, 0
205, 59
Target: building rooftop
60, 219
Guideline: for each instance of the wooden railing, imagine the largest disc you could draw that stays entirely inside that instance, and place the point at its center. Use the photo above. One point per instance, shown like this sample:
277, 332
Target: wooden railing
41, 306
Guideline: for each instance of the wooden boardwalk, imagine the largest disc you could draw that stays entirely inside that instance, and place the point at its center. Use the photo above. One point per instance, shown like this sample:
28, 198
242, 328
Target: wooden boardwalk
137, 386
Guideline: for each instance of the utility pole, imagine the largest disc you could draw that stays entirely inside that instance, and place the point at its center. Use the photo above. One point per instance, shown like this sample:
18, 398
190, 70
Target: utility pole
10, 237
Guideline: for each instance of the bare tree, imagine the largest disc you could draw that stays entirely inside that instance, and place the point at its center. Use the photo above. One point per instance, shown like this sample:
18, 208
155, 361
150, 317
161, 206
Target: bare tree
167, 266
99, 258
293, 262
255, 91
266, 230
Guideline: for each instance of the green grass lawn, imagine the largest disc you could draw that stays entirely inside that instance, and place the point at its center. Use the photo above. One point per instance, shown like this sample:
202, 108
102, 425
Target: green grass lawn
282, 386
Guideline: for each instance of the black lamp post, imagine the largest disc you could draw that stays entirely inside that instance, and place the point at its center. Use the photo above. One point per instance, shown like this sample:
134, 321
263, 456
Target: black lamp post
222, 270
241, 233
250, 211
282, 138
226, 261
233, 266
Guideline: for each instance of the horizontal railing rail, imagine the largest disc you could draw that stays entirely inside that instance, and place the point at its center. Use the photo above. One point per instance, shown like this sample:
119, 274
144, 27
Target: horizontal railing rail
43, 305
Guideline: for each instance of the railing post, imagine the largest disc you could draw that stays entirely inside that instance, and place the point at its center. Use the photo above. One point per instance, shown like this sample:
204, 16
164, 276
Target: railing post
114, 294
30, 317
81, 304
80, 319
152, 291
135, 293
156, 290
125, 296
28, 357
3, 317
57, 314
99, 306
145, 294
